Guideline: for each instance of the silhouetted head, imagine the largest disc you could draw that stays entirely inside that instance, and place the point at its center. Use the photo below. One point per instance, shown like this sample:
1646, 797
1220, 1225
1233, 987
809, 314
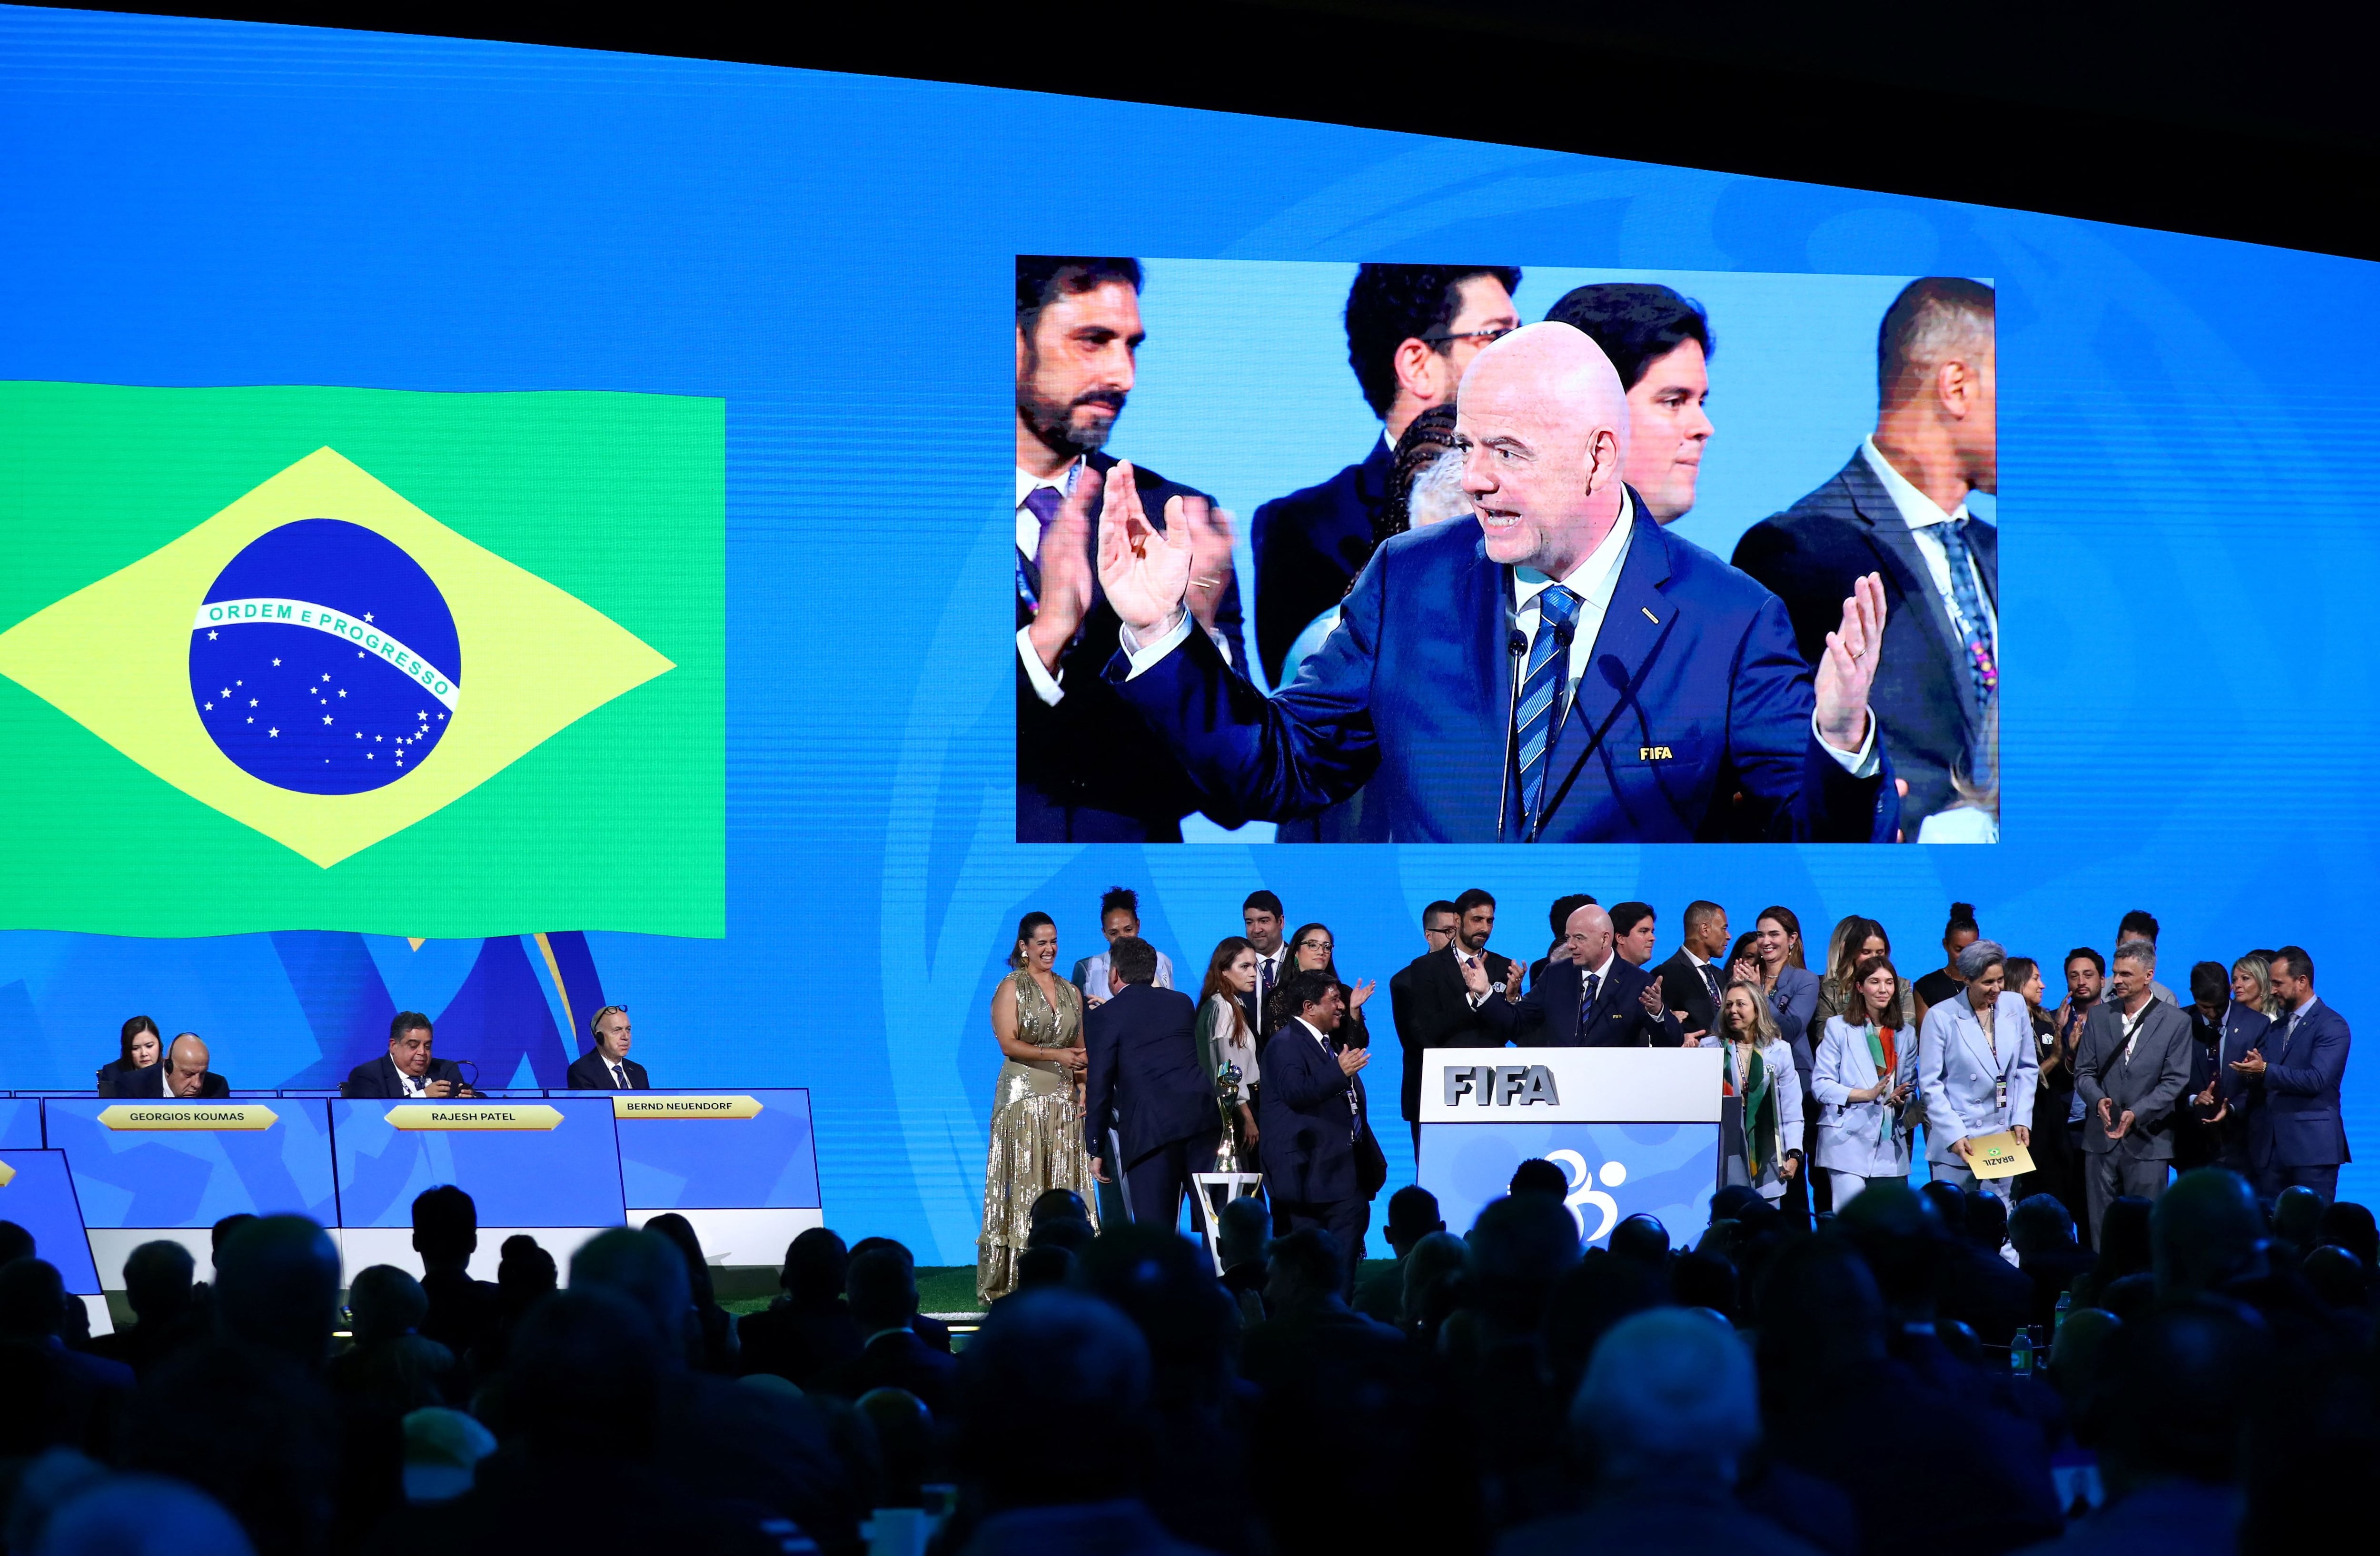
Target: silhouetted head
1055, 1367
1537, 1175
32, 1300
680, 1231
2349, 1225
157, 1280
2173, 1389
446, 1227
817, 1268
1242, 1230
2205, 1231
882, 1290
586, 1374
1412, 1215
143, 1515
1669, 1399
1303, 1269
1902, 1238
277, 1285
1642, 1239
2124, 1239
645, 1270
385, 1302
1165, 1284
2296, 1214
1520, 1246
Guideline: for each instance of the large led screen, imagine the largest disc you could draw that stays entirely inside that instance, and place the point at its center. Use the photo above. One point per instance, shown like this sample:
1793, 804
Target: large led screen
498, 532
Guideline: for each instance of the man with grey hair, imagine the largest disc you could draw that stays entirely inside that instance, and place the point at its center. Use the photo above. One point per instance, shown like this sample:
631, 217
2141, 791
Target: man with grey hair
1667, 1412
2130, 1071
1560, 669
1900, 507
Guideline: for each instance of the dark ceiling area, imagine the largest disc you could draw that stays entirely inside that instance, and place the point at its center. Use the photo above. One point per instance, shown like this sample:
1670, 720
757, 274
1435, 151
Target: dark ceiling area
2237, 125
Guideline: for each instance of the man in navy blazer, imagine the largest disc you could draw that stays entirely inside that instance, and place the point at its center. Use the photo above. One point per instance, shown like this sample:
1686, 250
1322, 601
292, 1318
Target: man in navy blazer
1563, 671
1899, 510
1145, 1089
1620, 1009
2290, 1086
1313, 1127
606, 1066
1411, 331
408, 1069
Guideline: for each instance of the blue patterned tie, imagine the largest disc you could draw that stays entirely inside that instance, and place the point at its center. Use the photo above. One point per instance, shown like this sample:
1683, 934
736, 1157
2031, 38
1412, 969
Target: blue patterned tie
1586, 988
1983, 663
1541, 690
1043, 501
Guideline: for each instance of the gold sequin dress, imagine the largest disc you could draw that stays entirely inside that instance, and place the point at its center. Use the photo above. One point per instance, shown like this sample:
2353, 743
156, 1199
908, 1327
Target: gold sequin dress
1037, 1136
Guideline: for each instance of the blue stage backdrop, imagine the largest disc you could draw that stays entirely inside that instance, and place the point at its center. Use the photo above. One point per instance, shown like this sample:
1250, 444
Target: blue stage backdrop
2188, 442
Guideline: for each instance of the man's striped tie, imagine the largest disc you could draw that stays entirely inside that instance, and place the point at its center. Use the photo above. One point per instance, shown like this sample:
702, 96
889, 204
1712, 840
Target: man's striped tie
1541, 690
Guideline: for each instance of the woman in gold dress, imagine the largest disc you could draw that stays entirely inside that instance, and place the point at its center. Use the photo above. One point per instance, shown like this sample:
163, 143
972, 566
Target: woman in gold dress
1036, 1111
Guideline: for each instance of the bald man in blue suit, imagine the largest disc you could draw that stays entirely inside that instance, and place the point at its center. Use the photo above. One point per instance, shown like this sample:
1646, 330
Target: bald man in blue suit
1562, 670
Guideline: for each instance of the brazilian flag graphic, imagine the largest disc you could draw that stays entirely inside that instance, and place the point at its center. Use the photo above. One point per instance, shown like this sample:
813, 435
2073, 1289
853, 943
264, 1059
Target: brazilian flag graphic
429, 664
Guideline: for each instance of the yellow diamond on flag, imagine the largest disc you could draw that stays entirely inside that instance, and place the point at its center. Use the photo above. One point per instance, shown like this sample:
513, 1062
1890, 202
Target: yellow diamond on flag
127, 658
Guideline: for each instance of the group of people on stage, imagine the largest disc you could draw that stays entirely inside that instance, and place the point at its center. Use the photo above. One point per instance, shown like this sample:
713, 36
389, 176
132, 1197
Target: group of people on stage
1831, 1078
147, 1067
1426, 618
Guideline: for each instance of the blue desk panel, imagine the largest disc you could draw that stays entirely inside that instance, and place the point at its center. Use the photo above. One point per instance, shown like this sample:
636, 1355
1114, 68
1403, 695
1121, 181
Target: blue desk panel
145, 1178
568, 1175
39, 1197
765, 1162
20, 1125
1666, 1170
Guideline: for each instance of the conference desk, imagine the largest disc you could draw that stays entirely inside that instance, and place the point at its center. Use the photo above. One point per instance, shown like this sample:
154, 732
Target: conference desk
561, 1166
1634, 1129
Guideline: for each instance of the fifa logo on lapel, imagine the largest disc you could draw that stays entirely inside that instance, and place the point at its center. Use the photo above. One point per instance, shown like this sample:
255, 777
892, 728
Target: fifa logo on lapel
1655, 753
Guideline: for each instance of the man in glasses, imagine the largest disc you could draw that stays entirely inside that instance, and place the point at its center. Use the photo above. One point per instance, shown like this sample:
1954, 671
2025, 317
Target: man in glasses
1411, 331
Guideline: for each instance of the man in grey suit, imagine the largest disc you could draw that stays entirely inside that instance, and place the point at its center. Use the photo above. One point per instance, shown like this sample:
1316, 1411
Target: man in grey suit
2130, 1073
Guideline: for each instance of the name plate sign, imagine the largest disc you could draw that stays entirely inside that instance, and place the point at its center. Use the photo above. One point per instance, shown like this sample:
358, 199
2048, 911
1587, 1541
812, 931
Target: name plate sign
650, 1105
188, 1115
473, 1115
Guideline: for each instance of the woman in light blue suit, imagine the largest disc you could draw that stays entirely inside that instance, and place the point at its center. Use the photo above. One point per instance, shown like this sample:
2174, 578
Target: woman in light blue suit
1865, 1076
1975, 1067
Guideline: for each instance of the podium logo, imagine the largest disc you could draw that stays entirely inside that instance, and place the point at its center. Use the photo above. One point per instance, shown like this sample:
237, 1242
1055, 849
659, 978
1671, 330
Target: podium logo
1584, 1194
297, 661
1501, 1086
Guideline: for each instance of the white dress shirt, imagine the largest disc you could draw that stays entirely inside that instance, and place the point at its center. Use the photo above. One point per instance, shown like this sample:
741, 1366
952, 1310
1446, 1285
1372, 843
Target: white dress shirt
1923, 514
414, 1086
1592, 581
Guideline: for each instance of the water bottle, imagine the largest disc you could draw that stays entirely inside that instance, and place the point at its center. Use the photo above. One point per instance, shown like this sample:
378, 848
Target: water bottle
2065, 1306
2021, 1354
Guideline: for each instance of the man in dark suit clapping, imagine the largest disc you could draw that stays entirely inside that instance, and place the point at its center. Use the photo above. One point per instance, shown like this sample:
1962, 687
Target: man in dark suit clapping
1433, 1009
2291, 1082
608, 1067
1313, 1131
1593, 999
1691, 981
1149, 1113
408, 1069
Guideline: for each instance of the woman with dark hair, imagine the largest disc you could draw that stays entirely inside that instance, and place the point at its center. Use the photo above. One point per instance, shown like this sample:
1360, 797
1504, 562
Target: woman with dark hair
1227, 1047
1854, 941
137, 1047
2055, 1170
1036, 1109
1946, 980
1313, 949
1866, 1074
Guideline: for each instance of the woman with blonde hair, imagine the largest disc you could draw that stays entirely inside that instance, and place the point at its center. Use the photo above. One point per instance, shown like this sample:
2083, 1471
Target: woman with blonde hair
1760, 1115
1036, 1111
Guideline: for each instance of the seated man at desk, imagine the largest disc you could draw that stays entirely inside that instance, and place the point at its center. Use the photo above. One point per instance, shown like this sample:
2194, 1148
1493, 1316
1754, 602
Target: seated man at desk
608, 1067
182, 1073
407, 1069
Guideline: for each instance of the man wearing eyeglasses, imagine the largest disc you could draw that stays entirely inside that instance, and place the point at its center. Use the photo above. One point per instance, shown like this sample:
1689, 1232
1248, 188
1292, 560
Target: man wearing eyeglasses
1411, 331
608, 1067
1560, 669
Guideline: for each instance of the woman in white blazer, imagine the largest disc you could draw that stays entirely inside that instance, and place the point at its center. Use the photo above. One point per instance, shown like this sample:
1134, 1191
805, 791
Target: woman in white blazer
1765, 1150
1975, 1067
1865, 1076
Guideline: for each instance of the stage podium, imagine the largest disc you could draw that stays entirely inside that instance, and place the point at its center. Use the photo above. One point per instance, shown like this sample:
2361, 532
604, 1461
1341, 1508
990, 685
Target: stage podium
1635, 1129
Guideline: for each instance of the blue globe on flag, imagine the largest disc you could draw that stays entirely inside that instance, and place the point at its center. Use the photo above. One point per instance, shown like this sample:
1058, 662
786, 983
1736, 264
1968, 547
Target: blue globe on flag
325, 661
